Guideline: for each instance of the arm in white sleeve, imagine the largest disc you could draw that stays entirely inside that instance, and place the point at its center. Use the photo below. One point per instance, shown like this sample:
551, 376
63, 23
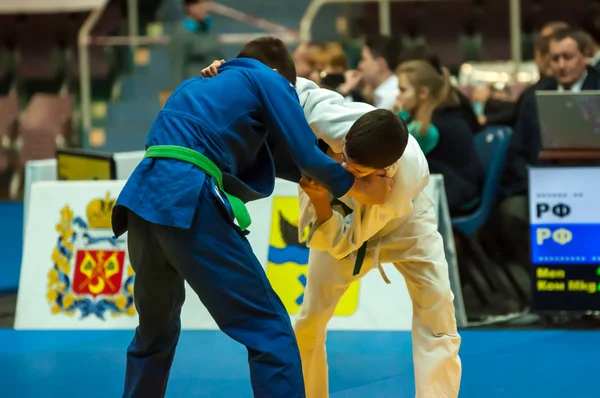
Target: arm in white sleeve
328, 113
342, 235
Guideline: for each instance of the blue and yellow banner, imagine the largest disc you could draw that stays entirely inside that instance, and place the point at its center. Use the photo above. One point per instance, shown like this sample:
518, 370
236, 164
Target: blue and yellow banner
288, 260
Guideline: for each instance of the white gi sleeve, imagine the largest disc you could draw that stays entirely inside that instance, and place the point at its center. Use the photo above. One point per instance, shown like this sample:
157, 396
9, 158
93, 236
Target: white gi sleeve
340, 236
328, 112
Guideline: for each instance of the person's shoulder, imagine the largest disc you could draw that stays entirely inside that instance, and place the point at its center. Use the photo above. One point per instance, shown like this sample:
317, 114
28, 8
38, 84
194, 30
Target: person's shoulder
451, 118
546, 83
592, 78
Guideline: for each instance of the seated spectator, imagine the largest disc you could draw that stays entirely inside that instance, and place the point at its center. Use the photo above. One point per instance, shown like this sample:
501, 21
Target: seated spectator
496, 107
543, 61
515, 179
571, 72
422, 53
541, 49
470, 41
351, 38
302, 56
329, 70
435, 117
193, 45
327, 59
379, 59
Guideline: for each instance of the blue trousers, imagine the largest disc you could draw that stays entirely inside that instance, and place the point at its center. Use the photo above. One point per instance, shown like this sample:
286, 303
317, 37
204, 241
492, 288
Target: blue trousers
217, 261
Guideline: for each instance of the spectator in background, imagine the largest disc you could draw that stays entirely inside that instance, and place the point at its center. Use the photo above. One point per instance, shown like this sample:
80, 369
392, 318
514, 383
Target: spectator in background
542, 47
428, 101
330, 70
379, 60
497, 109
423, 53
543, 61
351, 33
327, 59
571, 72
515, 179
193, 46
302, 56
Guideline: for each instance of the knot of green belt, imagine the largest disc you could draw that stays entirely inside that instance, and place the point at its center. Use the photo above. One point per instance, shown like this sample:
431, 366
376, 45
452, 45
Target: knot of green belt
240, 212
238, 207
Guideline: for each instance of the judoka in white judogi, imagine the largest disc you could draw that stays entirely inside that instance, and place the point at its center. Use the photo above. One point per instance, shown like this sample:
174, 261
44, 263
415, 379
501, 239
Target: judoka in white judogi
402, 232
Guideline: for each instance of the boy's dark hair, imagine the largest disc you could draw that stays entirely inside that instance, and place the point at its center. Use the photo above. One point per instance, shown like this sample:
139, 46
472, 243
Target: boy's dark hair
272, 52
386, 47
377, 139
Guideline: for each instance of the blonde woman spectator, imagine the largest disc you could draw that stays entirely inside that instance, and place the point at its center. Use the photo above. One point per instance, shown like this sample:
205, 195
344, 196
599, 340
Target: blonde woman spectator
433, 110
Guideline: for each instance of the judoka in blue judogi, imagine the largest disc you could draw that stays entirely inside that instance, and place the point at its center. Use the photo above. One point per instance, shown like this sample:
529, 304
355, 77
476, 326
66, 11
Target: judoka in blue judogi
215, 145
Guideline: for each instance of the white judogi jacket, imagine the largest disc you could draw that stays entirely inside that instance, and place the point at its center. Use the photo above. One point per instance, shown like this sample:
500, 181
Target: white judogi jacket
331, 118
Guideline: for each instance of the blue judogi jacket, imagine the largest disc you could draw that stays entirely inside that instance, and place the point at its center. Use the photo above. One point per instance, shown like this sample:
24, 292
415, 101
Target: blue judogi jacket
249, 122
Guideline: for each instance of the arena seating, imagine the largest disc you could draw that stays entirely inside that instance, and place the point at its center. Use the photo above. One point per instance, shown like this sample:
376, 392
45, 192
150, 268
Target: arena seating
39, 67
42, 49
45, 125
101, 68
491, 21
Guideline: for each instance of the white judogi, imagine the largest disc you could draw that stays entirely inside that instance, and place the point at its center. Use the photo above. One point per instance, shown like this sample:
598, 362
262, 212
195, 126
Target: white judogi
403, 232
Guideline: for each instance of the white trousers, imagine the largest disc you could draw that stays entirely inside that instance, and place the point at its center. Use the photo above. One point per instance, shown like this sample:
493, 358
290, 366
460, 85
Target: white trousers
435, 338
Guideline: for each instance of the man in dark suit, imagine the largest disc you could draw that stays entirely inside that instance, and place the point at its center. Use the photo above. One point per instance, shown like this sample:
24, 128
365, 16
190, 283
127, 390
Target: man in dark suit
570, 72
569, 65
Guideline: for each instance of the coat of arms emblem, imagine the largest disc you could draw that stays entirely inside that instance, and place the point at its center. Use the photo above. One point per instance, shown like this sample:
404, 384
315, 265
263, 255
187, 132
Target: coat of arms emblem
91, 274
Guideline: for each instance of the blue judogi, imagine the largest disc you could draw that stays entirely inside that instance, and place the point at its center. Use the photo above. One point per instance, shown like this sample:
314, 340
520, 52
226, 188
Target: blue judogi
247, 121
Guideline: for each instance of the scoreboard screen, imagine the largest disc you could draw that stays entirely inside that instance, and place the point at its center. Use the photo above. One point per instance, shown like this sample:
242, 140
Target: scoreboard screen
564, 205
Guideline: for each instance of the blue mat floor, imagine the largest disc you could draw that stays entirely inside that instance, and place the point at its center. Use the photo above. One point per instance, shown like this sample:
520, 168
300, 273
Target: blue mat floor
511, 364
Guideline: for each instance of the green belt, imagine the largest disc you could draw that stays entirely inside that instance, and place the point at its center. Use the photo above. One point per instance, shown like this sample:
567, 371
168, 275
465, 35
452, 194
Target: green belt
238, 207
360, 256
